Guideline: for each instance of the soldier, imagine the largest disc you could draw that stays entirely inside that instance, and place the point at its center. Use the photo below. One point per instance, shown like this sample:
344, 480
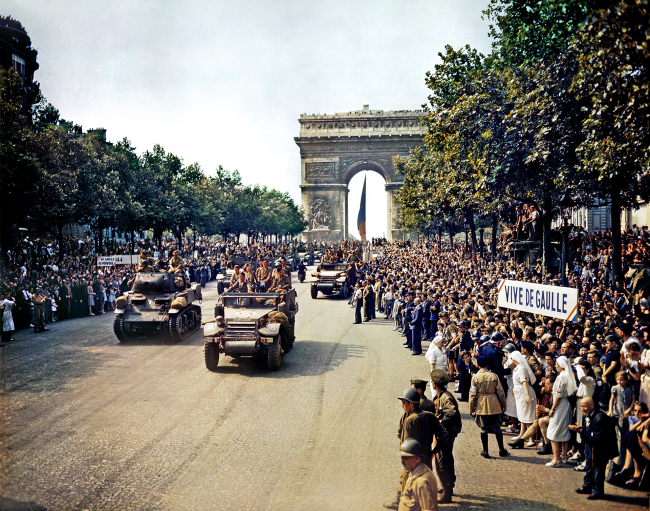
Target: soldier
421, 426
446, 409
241, 286
487, 402
425, 404
38, 299
264, 275
145, 263
281, 282
176, 263
418, 492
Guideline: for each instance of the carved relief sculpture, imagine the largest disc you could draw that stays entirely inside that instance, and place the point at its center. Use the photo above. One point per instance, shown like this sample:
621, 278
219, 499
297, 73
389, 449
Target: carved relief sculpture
320, 214
319, 169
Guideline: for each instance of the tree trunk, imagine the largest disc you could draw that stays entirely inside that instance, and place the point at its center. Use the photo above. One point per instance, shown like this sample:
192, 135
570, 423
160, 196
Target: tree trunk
472, 226
59, 239
132, 241
547, 218
495, 228
617, 273
100, 237
451, 236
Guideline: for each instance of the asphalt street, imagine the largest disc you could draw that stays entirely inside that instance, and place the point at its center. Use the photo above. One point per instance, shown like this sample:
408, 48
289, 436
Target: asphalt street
89, 423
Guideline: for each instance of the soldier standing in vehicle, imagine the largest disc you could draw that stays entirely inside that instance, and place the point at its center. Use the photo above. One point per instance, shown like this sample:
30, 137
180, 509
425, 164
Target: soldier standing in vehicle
264, 275
241, 286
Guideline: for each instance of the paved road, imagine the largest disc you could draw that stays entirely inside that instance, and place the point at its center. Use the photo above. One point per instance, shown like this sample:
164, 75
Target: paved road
89, 423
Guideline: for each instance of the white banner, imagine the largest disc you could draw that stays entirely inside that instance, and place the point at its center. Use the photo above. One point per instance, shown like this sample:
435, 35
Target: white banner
552, 301
118, 259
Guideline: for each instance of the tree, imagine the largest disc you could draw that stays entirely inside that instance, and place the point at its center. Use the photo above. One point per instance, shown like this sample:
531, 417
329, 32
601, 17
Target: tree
20, 172
614, 76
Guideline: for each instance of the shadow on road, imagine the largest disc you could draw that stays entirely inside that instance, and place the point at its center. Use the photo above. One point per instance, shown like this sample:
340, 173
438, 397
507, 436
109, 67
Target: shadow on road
490, 502
308, 358
7, 504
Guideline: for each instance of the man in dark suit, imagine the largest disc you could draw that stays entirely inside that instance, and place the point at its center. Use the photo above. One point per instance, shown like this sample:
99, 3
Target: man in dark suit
416, 328
598, 433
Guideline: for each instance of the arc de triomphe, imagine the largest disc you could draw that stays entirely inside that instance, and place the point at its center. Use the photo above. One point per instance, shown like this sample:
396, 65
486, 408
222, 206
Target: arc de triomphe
333, 148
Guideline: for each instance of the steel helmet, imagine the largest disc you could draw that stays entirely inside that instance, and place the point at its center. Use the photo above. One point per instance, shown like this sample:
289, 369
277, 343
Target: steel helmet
278, 263
484, 339
411, 447
410, 395
497, 337
476, 334
509, 348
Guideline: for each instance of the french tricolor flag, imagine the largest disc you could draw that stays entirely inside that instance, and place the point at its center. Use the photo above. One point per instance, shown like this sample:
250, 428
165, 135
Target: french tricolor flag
361, 219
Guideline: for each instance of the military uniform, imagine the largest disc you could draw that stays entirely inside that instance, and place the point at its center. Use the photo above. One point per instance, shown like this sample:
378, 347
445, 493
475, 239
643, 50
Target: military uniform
419, 490
280, 283
262, 274
176, 264
449, 416
38, 300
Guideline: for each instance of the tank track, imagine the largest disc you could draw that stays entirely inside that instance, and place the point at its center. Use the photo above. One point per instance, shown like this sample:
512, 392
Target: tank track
185, 323
118, 327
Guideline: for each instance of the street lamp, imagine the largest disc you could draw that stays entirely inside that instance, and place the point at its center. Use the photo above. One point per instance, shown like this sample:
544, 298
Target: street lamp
566, 207
466, 229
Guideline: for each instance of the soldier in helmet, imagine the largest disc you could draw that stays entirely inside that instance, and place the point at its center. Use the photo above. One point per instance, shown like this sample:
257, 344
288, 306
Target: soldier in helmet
280, 281
418, 492
421, 426
425, 403
145, 263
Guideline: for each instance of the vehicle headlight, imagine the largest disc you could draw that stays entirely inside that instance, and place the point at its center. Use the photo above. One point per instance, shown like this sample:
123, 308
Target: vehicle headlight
210, 328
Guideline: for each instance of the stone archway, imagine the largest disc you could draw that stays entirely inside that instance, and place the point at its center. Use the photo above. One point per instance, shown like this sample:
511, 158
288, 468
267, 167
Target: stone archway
333, 148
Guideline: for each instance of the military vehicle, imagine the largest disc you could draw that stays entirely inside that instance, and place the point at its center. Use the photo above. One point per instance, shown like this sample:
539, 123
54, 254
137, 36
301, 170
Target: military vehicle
331, 279
259, 325
159, 304
307, 255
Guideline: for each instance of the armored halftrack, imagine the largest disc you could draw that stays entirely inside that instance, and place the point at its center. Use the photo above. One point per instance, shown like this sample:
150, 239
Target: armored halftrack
330, 279
159, 304
258, 324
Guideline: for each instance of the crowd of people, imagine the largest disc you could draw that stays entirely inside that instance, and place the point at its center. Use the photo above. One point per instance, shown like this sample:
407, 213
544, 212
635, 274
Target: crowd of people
38, 287
575, 391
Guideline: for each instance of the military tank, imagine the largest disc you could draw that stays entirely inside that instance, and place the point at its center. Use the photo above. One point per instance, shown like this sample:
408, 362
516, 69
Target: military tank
160, 304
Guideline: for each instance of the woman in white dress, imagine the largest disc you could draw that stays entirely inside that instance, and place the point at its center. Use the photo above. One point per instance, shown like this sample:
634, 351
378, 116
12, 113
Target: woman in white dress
560, 414
7, 317
523, 378
511, 402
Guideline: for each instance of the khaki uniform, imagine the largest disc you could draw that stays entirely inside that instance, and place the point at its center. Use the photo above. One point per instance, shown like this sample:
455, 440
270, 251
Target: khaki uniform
38, 300
449, 416
145, 266
176, 264
419, 491
283, 282
486, 395
263, 273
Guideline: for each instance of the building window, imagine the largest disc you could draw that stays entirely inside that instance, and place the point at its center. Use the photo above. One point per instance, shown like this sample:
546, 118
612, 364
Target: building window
18, 64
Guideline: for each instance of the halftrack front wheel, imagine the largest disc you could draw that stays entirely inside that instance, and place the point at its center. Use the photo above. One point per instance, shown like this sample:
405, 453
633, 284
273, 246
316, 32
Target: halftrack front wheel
314, 292
211, 353
343, 292
118, 327
274, 354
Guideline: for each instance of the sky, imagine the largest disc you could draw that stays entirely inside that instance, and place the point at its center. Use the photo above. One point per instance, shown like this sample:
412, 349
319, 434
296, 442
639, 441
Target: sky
224, 83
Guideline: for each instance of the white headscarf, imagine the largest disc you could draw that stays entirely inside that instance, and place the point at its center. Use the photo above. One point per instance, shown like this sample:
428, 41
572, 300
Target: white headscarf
567, 374
518, 357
